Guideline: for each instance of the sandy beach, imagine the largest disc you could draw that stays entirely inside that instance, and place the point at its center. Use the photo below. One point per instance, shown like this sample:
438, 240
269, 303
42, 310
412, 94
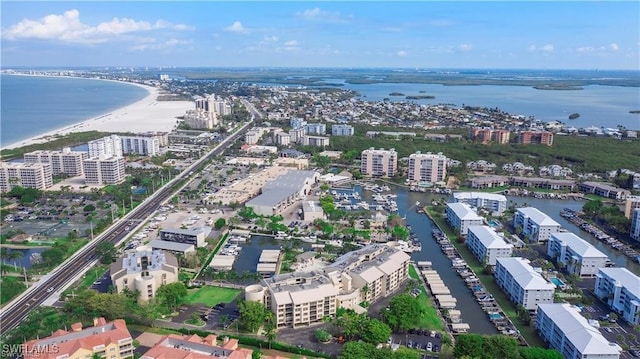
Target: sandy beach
144, 115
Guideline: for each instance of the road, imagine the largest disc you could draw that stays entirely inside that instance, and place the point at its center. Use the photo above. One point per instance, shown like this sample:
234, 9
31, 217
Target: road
17, 310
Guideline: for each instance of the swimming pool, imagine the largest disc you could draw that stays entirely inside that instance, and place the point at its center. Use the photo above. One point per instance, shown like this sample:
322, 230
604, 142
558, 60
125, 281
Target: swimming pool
494, 223
557, 282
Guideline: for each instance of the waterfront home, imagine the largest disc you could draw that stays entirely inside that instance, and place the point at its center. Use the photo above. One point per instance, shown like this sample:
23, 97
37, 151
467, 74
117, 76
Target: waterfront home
460, 216
522, 284
577, 255
534, 224
487, 245
620, 289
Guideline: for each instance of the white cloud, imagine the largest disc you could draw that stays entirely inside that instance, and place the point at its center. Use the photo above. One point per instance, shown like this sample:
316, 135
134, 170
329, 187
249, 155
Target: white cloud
316, 14
465, 47
613, 46
152, 44
585, 49
291, 43
68, 27
237, 28
270, 38
402, 53
547, 48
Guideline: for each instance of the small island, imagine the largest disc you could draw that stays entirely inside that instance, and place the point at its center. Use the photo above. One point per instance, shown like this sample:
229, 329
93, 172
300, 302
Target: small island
574, 115
558, 87
420, 97
396, 94
635, 111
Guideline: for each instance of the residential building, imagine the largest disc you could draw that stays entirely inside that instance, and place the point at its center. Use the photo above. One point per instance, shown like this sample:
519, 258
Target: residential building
631, 203
427, 167
141, 145
193, 346
296, 134
316, 128
487, 245
62, 162
488, 182
620, 289
105, 340
372, 134
565, 330
252, 137
144, 270
379, 163
282, 138
197, 119
535, 225
318, 141
604, 190
635, 224
195, 236
110, 146
282, 192
311, 211
296, 123
577, 255
522, 284
487, 135
536, 137
104, 170
544, 183
495, 203
342, 130
461, 216
208, 111
28, 175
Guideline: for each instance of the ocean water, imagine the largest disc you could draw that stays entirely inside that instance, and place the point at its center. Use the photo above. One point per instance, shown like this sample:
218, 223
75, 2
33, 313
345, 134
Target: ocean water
31, 105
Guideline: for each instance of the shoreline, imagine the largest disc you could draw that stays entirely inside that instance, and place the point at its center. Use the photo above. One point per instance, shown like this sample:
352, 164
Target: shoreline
145, 115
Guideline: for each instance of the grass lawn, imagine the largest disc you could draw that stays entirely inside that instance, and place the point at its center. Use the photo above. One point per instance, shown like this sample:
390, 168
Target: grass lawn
430, 319
211, 295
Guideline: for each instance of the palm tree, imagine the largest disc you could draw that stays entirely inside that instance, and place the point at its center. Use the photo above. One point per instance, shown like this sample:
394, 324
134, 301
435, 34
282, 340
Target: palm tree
269, 329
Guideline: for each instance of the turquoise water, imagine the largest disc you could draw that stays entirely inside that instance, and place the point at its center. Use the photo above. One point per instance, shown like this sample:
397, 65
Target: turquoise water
496, 316
557, 282
493, 223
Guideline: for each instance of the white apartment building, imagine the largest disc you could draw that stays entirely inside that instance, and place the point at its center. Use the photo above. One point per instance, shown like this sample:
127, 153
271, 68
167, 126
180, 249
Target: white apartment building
296, 134
342, 130
492, 202
565, 330
296, 123
110, 146
522, 284
100, 171
460, 217
65, 161
487, 245
379, 163
140, 145
252, 137
535, 225
27, 175
316, 128
318, 141
144, 270
197, 119
427, 167
282, 138
620, 289
635, 224
578, 256
211, 108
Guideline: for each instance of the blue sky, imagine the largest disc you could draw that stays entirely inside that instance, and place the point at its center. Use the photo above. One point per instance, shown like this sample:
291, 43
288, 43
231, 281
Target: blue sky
515, 34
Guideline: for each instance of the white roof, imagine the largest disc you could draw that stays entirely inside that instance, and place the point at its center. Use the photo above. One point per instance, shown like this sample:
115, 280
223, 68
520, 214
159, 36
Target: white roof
463, 211
523, 273
625, 278
537, 216
488, 237
578, 245
585, 338
483, 195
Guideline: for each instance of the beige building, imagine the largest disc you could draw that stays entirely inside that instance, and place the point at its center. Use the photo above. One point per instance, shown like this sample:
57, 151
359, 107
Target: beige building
144, 270
300, 298
193, 346
631, 203
28, 175
282, 138
65, 161
106, 340
318, 141
379, 163
427, 167
104, 170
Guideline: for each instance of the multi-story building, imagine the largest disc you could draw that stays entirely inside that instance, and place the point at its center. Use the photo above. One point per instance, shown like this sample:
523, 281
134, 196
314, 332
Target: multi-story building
535, 225
522, 284
174, 346
65, 161
110, 146
28, 175
342, 130
196, 119
460, 217
141, 145
427, 167
536, 137
208, 111
620, 289
487, 245
635, 224
577, 255
487, 135
604, 190
296, 134
296, 123
631, 203
104, 340
282, 138
303, 298
565, 330
196, 236
282, 192
252, 137
318, 141
101, 170
379, 163
492, 202
144, 271
316, 128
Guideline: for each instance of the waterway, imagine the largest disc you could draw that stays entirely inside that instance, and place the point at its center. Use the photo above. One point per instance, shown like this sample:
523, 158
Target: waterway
25, 260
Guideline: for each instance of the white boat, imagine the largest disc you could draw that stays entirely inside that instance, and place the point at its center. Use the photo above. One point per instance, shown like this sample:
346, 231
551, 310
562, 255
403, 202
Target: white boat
364, 205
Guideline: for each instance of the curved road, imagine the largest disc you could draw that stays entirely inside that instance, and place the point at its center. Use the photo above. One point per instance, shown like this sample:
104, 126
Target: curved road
16, 311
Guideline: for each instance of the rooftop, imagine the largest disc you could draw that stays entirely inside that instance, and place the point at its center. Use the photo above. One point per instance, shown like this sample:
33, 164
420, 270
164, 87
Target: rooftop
463, 211
483, 195
625, 278
537, 216
488, 237
578, 245
523, 273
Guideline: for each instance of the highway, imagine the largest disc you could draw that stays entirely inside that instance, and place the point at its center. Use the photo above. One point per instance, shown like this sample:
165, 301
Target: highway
17, 310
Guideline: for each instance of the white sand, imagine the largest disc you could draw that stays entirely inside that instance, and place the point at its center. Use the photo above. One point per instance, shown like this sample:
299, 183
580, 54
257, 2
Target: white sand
144, 115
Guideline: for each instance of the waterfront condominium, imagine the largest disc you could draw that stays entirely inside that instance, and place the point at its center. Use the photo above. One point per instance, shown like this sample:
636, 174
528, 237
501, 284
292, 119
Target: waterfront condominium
563, 328
620, 289
487, 245
379, 163
536, 137
635, 224
65, 161
577, 255
487, 135
522, 284
535, 225
28, 175
492, 202
100, 171
145, 145
317, 141
461, 216
427, 167
110, 146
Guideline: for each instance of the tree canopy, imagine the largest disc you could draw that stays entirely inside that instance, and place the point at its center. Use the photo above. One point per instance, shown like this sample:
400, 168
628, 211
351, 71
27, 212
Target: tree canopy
404, 312
252, 315
171, 294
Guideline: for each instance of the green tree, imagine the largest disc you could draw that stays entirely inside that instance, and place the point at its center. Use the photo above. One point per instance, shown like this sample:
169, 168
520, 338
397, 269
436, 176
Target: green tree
52, 256
107, 252
470, 345
252, 315
500, 346
356, 350
351, 323
221, 222
375, 331
247, 213
322, 335
539, 353
404, 312
269, 328
171, 294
